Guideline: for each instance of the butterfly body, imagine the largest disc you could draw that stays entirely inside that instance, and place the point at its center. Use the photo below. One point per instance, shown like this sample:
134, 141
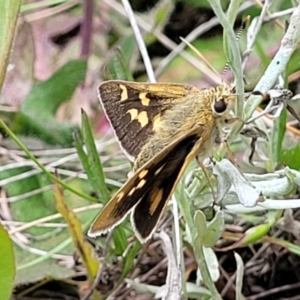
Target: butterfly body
163, 127
174, 122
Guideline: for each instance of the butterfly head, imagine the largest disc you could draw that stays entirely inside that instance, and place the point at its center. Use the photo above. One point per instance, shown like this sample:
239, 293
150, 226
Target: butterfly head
223, 100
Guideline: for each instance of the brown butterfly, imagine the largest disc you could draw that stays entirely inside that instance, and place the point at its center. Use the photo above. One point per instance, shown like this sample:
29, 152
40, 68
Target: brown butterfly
163, 126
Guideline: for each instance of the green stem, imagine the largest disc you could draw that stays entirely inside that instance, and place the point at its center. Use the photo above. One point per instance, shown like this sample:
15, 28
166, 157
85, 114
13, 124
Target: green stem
185, 208
202, 265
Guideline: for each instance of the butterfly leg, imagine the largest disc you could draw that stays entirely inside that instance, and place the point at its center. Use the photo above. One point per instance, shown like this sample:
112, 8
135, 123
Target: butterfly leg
200, 164
222, 135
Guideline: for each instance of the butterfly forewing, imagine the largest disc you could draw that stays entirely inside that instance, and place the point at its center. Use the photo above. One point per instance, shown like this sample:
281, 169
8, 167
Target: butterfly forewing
149, 189
133, 108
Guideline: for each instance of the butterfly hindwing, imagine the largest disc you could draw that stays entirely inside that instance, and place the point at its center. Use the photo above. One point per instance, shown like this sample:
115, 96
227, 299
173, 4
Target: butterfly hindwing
148, 190
147, 212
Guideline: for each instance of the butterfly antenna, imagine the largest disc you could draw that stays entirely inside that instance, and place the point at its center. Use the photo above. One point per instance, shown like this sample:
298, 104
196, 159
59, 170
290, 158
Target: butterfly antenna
225, 70
238, 35
242, 27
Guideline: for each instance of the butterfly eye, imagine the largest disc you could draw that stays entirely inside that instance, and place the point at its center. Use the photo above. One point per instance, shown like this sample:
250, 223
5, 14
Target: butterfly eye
220, 106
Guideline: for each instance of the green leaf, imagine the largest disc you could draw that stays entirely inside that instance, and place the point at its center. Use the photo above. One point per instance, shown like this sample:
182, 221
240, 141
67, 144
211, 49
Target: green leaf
117, 66
290, 157
91, 161
231, 15
198, 292
212, 263
184, 204
275, 188
37, 111
200, 224
129, 258
254, 234
9, 12
277, 136
239, 276
214, 230
246, 193
290, 246
161, 15
232, 10
120, 239
7, 264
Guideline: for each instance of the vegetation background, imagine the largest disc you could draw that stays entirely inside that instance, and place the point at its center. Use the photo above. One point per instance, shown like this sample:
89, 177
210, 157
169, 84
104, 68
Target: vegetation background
53, 55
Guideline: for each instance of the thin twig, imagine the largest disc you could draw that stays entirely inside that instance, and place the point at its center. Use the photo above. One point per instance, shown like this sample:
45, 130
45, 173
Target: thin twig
48, 12
273, 291
139, 40
51, 218
279, 14
190, 37
86, 28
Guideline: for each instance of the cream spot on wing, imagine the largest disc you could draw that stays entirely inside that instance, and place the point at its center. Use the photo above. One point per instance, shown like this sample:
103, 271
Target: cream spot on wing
141, 184
156, 200
133, 113
124, 94
131, 192
143, 118
145, 101
119, 196
143, 173
156, 122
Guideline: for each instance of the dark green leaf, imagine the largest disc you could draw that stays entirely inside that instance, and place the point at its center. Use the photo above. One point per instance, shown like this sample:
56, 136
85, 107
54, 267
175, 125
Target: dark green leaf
117, 66
120, 239
291, 157
7, 265
37, 111
9, 11
92, 163
130, 257
277, 136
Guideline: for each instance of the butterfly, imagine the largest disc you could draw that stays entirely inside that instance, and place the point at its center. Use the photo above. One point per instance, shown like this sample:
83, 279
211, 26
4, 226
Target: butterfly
162, 127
